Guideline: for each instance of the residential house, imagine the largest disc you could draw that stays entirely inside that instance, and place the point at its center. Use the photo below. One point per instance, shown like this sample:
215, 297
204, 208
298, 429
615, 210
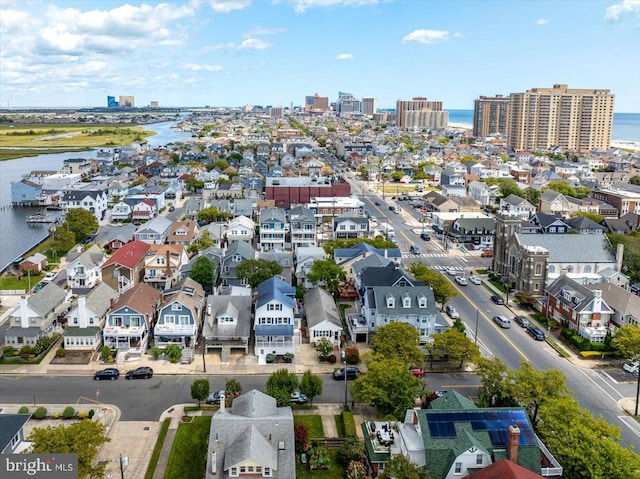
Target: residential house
12, 436
93, 201
343, 256
272, 229
182, 233
180, 316
35, 263
254, 437
284, 259
578, 307
121, 211
241, 228
143, 210
36, 317
554, 203
323, 317
550, 224
505, 469
130, 320
193, 206
389, 274
85, 271
85, 320
235, 254
274, 321
303, 227
227, 322
412, 305
125, 268
452, 181
242, 206
478, 232
162, 265
584, 225
624, 224
348, 226
25, 193
625, 305
482, 193
434, 201
305, 257
155, 231
515, 205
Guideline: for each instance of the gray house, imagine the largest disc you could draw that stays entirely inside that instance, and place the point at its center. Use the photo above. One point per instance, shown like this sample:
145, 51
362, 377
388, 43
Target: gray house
227, 322
236, 253
155, 231
252, 437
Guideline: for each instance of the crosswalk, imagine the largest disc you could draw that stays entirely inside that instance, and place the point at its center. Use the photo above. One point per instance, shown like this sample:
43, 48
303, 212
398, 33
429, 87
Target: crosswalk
442, 268
408, 254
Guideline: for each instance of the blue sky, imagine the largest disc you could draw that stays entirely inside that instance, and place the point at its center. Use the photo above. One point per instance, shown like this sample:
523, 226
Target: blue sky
274, 52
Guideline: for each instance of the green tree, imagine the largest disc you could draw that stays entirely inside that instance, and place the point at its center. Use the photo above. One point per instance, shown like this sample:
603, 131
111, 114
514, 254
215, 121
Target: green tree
200, 390
595, 217
635, 180
631, 257
63, 241
442, 288
280, 385
81, 223
83, 438
459, 325
400, 466
194, 184
397, 176
328, 273
587, 447
201, 243
560, 186
532, 388
351, 450
203, 272
363, 172
311, 385
532, 196
457, 346
209, 215
222, 164
495, 376
324, 348
388, 386
627, 341
257, 271
398, 340
233, 387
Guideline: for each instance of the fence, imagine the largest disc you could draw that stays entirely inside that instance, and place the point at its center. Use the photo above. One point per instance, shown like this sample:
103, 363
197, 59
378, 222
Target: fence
12, 292
329, 442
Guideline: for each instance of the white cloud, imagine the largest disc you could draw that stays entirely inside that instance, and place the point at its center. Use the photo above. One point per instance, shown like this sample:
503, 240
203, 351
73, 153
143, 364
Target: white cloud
428, 37
301, 6
226, 6
344, 56
542, 21
264, 31
253, 44
614, 12
207, 68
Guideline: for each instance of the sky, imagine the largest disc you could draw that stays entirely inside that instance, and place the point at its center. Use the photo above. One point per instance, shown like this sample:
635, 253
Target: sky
275, 52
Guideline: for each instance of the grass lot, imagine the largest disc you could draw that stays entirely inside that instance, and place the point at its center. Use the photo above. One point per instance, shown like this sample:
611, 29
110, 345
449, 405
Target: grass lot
189, 452
11, 153
65, 137
392, 189
312, 422
11, 282
339, 424
335, 471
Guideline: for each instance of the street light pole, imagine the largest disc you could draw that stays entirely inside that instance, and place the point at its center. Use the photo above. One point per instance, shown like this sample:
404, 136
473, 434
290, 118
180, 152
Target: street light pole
344, 341
637, 392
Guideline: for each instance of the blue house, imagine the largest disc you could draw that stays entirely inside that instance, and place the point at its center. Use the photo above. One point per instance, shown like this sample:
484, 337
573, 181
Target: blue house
25, 193
274, 325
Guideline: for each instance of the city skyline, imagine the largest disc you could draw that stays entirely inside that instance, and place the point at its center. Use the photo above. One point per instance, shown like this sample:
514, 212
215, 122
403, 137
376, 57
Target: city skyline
237, 52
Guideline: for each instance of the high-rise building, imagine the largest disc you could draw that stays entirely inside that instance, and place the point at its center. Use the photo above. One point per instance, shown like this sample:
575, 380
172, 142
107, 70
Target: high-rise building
276, 112
425, 119
111, 102
573, 119
154, 104
126, 102
316, 103
417, 103
368, 105
347, 104
490, 115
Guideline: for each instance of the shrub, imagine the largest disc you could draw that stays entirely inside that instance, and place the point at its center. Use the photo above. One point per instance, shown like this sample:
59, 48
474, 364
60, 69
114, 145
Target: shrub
301, 435
26, 349
9, 351
174, 353
351, 450
40, 413
68, 412
23, 410
57, 415
155, 352
270, 358
82, 415
353, 355
106, 353
349, 424
61, 352
288, 357
91, 413
332, 359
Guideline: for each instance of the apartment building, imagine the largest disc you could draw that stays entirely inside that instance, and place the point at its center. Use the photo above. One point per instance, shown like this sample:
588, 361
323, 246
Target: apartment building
369, 105
416, 104
574, 119
490, 115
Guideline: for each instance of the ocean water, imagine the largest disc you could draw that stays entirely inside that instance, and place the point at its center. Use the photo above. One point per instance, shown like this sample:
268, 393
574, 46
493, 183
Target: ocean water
626, 126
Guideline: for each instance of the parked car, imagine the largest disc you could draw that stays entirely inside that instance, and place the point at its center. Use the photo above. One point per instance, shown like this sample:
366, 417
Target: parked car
452, 312
39, 286
414, 249
440, 392
50, 277
497, 299
425, 236
373, 219
535, 333
461, 280
298, 398
172, 208
521, 320
475, 280
142, 372
502, 321
416, 371
631, 367
392, 208
110, 373
487, 253
352, 373
214, 397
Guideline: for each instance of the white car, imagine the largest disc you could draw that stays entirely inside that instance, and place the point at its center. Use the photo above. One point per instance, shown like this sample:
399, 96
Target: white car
630, 367
461, 280
475, 280
50, 277
452, 312
450, 271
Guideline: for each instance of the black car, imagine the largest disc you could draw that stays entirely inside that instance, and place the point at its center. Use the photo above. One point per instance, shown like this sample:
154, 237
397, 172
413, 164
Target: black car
392, 208
425, 236
352, 373
377, 203
497, 299
143, 372
109, 373
414, 249
215, 397
535, 333
172, 208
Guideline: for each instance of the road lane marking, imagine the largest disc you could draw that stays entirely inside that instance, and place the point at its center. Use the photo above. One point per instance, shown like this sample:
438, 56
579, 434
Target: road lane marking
600, 388
81, 398
610, 378
631, 425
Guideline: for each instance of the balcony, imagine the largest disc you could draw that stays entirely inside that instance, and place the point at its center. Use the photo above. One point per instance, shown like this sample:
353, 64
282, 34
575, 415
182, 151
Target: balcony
153, 278
124, 330
174, 330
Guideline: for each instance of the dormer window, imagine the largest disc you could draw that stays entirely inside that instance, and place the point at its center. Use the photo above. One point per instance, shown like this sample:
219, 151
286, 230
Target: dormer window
406, 301
422, 302
391, 302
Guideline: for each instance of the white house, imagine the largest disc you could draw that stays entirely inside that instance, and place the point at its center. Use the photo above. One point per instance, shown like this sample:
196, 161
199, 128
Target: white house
305, 257
272, 229
515, 205
241, 228
323, 317
121, 211
274, 321
94, 201
86, 319
84, 271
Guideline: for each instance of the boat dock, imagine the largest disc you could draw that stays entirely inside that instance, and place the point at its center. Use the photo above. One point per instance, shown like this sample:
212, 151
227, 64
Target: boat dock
39, 218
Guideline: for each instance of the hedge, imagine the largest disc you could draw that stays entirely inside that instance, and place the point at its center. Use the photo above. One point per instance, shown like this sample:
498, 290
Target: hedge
597, 354
23, 410
349, 424
40, 413
68, 412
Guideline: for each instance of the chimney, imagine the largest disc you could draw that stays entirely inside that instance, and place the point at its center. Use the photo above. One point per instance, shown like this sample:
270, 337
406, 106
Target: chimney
619, 255
222, 403
214, 463
82, 312
24, 314
513, 444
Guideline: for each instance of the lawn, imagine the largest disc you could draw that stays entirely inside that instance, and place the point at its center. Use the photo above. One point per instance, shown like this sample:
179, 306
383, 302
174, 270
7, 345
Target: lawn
339, 424
335, 471
313, 423
392, 189
12, 282
189, 452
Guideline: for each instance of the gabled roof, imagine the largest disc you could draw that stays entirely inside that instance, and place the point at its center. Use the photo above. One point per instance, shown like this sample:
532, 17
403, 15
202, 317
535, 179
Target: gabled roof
320, 306
380, 294
274, 283
237, 306
141, 298
159, 224
241, 221
583, 223
372, 261
517, 201
272, 214
251, 445
275, 289
91, 258
388, 275
544, 220
618, 298
254, 404
47, 299
99, 299
129, 255
504, 469
550, 195
301, 213
363, 248
10, 425
570, 248
242, 248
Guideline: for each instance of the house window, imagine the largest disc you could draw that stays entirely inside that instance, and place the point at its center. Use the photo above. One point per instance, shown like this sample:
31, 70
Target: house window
176, 307
458, 468
169, 319
478, 459
406, 302
391, 302
267, 472
234, 472
552, 269
117, 320
587, 269
184, 319
422, 302
538, 269
274, 307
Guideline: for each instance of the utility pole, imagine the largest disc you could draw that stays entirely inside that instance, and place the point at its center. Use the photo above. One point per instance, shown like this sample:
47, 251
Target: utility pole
475, 336
637, 392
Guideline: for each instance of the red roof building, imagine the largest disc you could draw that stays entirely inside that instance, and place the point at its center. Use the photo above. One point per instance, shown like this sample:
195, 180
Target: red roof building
125, 268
